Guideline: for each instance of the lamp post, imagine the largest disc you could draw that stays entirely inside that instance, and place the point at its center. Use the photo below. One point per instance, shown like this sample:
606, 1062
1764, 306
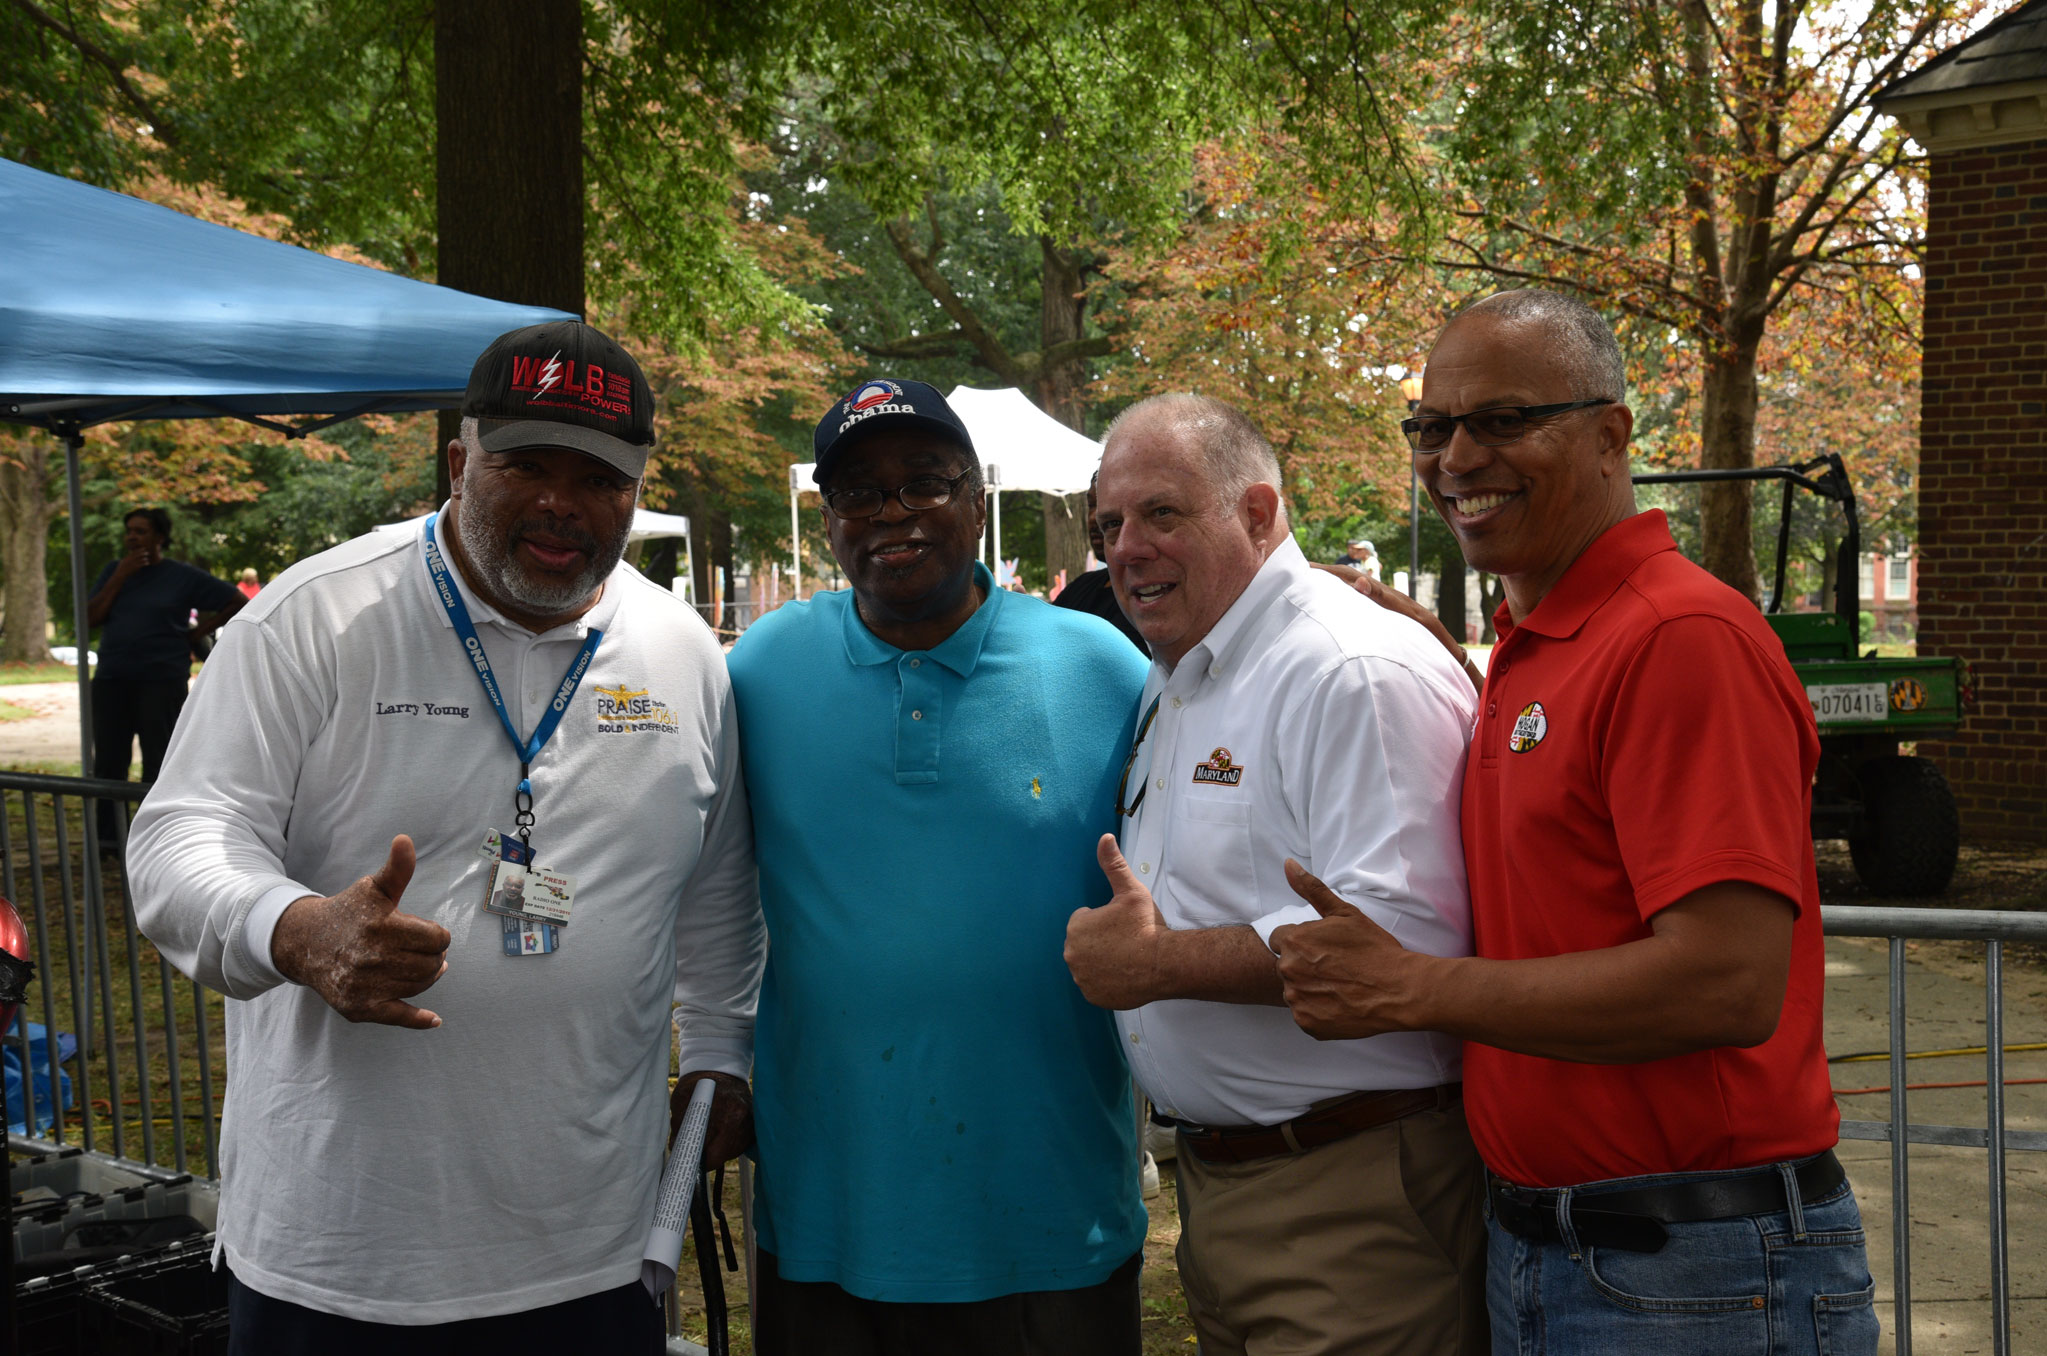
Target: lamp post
1411, 387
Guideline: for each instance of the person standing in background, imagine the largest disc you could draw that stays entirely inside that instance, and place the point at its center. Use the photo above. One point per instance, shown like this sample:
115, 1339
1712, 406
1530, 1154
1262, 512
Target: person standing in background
152, 612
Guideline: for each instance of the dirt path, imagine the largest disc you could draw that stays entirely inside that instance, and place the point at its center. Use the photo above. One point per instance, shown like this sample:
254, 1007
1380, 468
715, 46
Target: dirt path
49, 736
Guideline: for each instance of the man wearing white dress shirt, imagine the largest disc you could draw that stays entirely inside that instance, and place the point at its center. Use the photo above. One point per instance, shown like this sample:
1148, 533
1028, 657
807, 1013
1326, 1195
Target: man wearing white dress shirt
1329, 1191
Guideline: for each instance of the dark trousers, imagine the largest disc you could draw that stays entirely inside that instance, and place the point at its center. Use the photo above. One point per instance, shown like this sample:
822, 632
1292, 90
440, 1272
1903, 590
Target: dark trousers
622, 1321
125, 711
803, 1318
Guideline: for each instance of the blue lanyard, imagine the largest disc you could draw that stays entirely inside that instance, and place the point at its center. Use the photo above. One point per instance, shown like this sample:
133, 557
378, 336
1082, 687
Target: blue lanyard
527, 749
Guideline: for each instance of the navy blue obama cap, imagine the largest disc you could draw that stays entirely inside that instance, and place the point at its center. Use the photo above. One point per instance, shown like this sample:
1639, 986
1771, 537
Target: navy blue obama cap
883, 404
563, 384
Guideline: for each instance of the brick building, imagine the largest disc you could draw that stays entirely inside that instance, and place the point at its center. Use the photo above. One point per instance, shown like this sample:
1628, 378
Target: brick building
1980, 110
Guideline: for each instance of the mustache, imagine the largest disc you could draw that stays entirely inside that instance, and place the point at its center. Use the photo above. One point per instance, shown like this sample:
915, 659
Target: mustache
566, 533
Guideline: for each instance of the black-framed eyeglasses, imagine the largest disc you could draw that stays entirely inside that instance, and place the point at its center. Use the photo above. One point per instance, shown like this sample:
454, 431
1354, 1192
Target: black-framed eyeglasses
1494, 426
917, 496
1123, 783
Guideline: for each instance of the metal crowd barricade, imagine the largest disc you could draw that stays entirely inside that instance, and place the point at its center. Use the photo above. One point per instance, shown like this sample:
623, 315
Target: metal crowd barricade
1993, 928
134, 1016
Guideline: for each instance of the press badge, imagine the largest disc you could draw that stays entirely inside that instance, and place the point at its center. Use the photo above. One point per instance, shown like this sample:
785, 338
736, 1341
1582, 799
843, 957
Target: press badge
532, 902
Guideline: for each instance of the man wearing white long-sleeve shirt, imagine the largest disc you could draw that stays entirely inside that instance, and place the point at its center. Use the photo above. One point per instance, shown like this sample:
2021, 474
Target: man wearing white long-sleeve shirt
539, 748
1329, 1191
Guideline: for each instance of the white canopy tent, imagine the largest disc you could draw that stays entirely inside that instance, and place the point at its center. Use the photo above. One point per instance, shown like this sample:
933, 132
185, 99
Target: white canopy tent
1020, 446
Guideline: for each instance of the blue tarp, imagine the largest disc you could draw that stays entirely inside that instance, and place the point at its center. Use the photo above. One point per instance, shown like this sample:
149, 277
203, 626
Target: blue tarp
115, 308
39, 1057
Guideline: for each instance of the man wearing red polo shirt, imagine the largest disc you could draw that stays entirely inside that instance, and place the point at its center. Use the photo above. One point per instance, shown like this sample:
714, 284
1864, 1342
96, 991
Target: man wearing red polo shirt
1643, 1070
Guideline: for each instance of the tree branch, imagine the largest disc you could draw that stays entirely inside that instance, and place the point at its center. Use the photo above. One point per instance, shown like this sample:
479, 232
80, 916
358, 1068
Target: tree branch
923, 267
116, 70
914, 347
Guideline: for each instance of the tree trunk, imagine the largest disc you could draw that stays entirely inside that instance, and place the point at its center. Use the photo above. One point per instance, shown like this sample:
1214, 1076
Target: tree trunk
1728, 441
658, 564
25, 513
718, 546
508, 146
1492, 590
1063, 317
1450, 590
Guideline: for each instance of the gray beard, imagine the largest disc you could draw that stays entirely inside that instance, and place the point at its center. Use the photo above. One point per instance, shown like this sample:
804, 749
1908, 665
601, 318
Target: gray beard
491, 553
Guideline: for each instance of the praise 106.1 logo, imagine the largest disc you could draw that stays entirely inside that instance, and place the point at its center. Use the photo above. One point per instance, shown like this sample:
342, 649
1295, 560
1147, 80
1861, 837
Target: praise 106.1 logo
625, 710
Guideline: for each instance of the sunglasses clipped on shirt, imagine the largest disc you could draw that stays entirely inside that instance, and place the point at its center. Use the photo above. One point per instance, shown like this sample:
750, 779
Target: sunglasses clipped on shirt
1494, 426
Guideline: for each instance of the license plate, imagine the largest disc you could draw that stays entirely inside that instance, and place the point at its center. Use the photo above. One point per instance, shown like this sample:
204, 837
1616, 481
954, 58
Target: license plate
1847, 701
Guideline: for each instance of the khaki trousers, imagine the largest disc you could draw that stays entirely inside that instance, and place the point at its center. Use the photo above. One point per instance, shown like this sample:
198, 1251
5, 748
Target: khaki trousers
1371, 1246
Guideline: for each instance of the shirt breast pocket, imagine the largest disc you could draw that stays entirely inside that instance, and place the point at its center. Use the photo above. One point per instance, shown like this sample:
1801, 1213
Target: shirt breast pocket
1209, 865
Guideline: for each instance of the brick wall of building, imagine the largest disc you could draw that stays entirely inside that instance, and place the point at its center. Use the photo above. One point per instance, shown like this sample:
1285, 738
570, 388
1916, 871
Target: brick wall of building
1983, 476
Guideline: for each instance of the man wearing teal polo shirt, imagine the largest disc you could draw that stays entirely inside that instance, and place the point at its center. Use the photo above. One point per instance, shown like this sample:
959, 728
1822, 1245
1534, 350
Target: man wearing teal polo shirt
947, 1157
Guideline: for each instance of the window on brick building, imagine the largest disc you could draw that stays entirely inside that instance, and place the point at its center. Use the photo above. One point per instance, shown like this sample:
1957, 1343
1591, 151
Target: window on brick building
1901, 577
1868, 581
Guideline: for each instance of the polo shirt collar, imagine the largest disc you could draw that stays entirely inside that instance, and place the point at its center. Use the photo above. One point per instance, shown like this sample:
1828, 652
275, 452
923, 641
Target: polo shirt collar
959, 652
597, 618
1594, 576
1284, 568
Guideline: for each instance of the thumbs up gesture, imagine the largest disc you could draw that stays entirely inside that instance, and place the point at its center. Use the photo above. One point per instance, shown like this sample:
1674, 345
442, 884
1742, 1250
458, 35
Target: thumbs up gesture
1344, 976
1113, 951
357, 951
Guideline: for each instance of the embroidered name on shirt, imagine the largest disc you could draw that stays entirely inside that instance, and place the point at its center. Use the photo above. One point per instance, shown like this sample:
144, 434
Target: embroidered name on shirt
1529, 728
1218, 770
624, 710
419, 709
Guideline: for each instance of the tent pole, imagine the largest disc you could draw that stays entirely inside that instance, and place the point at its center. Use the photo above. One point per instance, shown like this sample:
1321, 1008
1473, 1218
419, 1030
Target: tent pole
795, 544
995, 492
73, 440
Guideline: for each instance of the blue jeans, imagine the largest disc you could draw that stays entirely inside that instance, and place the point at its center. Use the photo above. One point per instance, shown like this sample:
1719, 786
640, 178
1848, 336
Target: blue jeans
1796, 1281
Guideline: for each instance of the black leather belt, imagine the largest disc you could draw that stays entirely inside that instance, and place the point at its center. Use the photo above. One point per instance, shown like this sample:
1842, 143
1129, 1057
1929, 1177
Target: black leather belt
1634, 1219
1311, 1129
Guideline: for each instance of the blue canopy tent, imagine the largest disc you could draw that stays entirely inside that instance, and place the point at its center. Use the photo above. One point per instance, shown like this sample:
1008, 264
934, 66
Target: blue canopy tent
115, 309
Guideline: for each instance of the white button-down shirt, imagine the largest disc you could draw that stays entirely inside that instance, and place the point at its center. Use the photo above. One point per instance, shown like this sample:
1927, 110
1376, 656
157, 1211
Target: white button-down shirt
1309, 723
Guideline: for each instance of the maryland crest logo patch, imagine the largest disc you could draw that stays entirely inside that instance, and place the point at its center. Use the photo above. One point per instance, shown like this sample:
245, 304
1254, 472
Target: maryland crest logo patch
1218, 770
1529, 728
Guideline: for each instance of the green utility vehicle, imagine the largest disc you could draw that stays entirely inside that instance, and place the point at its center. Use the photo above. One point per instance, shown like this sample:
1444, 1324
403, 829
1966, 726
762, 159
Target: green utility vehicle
1896, 810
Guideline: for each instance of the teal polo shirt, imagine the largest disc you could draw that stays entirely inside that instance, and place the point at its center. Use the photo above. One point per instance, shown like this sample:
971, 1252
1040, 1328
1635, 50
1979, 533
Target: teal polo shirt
941, 1117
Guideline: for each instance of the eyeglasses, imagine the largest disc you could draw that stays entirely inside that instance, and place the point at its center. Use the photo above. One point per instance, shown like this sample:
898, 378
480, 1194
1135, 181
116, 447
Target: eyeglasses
921, 494
1493, 427
1123, 783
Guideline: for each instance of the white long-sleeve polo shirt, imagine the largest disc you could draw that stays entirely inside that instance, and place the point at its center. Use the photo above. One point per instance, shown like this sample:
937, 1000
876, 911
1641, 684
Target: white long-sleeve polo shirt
1308, 723
508, 1159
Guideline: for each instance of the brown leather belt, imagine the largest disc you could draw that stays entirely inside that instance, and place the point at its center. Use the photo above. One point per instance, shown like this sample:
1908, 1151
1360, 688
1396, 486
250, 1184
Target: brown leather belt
1310, 1129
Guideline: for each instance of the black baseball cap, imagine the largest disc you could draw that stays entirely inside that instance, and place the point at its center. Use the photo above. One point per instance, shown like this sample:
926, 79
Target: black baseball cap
882, 404
563, 384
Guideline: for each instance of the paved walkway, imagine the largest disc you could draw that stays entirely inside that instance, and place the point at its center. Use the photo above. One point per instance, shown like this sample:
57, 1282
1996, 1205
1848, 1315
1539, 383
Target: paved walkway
1949, 1187
49, 736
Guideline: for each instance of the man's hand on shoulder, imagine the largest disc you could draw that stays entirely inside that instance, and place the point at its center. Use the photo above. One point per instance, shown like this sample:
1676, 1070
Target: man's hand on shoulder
1113, 950
1344, 976
357, 951
730, 1133
1393, 600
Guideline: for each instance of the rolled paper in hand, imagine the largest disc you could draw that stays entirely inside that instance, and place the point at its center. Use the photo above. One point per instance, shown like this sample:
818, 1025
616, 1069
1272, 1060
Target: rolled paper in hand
678, 1182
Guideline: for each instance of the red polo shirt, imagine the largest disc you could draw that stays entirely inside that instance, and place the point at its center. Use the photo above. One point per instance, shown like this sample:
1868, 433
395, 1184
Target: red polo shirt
1641, 736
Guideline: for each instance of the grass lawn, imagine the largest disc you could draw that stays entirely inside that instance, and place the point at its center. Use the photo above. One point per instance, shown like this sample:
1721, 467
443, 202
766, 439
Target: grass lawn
9, 711
13, 674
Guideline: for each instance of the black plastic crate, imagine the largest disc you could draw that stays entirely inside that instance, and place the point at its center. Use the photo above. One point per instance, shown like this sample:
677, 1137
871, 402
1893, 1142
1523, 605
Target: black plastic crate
172, 1304
49, 1314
